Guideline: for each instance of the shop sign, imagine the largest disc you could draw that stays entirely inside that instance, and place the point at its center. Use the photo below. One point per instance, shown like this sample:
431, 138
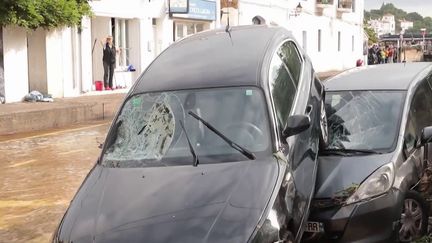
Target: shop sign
200, 10
178, 6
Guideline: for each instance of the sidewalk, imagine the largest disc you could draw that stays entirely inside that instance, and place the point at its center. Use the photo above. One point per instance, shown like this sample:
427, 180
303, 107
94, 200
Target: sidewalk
325, 75
34, 116
97, 105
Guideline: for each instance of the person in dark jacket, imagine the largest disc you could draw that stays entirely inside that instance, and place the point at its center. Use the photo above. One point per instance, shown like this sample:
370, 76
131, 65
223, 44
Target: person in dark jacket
109, 60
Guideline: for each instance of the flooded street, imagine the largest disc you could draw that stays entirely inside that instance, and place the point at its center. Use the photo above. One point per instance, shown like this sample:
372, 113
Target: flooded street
39, 174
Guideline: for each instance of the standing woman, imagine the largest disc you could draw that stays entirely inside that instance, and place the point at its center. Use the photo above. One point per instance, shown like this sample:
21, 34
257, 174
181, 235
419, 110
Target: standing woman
109, 60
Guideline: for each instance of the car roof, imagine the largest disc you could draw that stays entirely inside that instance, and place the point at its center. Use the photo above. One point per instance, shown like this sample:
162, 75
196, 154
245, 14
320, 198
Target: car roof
211, 59
396, 76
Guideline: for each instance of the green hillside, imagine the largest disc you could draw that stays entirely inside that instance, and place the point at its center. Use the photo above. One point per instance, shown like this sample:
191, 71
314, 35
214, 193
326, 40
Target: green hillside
389, 8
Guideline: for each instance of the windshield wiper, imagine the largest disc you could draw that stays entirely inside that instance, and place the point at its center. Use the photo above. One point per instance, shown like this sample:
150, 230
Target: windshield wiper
349, 151
195, 157
235, 146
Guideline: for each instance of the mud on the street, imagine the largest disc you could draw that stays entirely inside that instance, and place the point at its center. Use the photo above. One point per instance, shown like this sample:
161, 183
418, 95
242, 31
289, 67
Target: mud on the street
39, 175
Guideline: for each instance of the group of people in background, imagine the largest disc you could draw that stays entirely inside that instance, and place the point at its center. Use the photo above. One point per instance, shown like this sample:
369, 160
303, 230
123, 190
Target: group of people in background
382, 54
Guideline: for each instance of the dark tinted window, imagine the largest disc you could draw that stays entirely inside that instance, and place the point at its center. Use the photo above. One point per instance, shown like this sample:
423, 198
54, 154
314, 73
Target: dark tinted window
282, 88
291, 58
420, 114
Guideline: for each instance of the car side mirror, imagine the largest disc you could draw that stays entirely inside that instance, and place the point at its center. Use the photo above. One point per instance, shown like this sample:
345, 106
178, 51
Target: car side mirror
426, 135
295, 125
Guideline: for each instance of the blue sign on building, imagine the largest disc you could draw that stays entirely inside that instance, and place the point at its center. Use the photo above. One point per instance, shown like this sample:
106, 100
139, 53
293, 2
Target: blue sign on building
178, 6
200, 9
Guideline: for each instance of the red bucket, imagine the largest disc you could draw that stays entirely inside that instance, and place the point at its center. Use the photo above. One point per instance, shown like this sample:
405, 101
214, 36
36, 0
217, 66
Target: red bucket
99, 85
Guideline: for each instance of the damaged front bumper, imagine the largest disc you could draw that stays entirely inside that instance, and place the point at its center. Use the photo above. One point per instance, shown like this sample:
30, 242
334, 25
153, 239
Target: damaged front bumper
374, 220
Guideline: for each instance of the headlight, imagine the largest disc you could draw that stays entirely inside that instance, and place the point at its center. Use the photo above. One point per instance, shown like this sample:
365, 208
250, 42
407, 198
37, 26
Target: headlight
377, 183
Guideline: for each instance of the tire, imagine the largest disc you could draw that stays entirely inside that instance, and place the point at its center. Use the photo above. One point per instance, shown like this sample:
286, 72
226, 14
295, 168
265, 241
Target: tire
414, 217
323, 137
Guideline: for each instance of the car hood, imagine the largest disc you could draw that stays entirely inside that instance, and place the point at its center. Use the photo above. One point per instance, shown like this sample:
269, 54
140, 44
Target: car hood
214, 202
337, 173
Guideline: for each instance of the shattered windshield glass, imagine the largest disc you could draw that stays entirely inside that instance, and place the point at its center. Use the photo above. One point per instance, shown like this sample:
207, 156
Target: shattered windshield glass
363, 120
148, 131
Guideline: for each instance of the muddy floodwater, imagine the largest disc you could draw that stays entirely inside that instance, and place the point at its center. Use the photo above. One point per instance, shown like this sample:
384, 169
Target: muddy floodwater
39, 174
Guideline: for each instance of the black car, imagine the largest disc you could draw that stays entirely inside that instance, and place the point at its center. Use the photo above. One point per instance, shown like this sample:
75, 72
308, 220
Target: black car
216, 142
373, 178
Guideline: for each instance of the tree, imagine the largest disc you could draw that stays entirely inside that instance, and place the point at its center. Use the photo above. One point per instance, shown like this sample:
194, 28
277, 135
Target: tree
48, 14
414, 17
373, 38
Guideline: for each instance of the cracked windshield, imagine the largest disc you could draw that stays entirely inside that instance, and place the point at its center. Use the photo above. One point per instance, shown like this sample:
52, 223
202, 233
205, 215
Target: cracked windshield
363, 119
148, 131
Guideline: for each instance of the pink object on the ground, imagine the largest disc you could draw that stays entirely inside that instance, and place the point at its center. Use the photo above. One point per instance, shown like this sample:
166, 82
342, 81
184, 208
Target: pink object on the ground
99, 85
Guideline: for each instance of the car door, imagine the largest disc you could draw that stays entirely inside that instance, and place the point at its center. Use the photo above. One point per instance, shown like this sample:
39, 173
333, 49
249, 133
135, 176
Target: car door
290, 96
419, 116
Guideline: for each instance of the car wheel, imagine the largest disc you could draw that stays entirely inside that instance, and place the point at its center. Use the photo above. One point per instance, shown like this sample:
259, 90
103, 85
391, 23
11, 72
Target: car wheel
414, 217
323, 138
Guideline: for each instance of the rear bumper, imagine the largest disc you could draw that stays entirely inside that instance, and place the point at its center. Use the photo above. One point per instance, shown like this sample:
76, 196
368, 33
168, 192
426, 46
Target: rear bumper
376, 220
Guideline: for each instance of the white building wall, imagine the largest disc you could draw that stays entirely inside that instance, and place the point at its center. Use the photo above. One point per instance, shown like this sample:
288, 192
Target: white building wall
330, 22
148, 49
37, 60
100, 30
15, 63
86, 55
66, 83
54, 63
135, 46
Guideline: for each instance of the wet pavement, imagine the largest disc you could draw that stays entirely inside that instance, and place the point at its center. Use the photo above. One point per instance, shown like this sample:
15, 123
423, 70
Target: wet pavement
39, 175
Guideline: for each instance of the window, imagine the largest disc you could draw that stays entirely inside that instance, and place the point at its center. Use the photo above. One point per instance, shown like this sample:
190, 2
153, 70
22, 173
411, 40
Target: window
353, 6
363, 119
282, 88
319, 40
183, 29
352, 43
304, 40
148, 131
120, 32
179, 31
291, 58
339, 41
420, 114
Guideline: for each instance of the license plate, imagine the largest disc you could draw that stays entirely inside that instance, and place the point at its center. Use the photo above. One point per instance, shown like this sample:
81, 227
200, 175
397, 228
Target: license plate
314, 227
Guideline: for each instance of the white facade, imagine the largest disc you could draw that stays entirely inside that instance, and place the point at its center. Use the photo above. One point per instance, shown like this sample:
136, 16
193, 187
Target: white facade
15, 63
331, 32
66, 62
405, 25
387, 25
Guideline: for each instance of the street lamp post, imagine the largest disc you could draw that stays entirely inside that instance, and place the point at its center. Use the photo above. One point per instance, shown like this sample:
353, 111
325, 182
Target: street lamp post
423, 31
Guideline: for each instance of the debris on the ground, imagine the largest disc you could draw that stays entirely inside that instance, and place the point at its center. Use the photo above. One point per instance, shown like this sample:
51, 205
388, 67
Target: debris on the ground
36, 96
341, 196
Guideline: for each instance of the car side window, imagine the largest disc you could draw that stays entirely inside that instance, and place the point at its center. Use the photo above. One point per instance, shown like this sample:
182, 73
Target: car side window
290, 56
283, 89
420, 114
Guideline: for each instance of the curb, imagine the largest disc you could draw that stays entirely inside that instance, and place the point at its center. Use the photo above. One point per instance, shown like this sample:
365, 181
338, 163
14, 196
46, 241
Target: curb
28, 117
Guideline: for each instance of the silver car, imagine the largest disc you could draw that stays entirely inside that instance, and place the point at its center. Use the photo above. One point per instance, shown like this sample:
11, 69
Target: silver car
373, 177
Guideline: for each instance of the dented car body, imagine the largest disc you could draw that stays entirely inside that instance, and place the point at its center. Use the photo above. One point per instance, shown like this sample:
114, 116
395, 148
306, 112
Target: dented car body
216, 142
367, 185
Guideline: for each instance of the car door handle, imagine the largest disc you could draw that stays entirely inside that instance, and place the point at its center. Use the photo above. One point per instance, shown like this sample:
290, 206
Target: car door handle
308, 110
